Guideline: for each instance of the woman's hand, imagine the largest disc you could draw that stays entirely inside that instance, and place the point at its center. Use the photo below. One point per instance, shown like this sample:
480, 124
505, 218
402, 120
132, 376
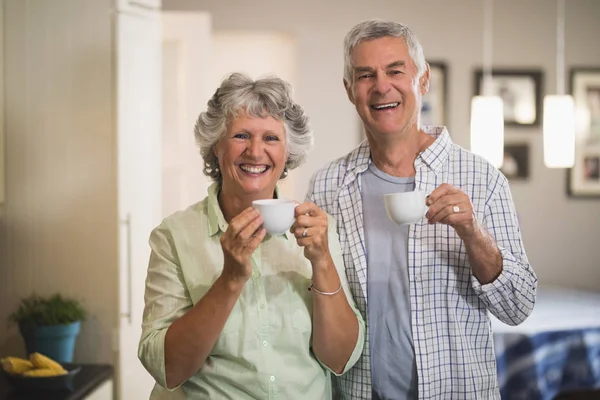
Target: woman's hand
310, 230
242, 237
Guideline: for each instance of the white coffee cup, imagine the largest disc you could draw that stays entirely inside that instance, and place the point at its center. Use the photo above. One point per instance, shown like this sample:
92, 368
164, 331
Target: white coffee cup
277, 214
406, 207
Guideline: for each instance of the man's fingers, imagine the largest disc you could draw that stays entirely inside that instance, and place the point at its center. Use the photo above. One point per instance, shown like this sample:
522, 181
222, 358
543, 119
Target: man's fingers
442, 190
443, 202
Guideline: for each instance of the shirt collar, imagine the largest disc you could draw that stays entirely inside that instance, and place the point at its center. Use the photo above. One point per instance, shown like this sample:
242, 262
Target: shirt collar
216, 219
436, 154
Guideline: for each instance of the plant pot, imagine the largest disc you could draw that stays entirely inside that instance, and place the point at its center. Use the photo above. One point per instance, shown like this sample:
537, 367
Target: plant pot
54, 341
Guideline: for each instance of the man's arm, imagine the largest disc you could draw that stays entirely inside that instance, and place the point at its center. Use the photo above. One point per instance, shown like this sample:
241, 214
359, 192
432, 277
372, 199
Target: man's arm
502, 276
510, 297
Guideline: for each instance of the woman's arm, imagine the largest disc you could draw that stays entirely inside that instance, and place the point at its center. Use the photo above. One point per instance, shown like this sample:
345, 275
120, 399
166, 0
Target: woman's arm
338, 328
191, 338
178, 336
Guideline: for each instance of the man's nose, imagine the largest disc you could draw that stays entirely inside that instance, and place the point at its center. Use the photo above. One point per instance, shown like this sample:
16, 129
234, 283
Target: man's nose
382, 84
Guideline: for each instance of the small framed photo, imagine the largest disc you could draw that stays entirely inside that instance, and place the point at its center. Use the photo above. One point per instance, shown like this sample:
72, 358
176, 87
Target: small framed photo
516, 161
521, 92
434, 109
584, 178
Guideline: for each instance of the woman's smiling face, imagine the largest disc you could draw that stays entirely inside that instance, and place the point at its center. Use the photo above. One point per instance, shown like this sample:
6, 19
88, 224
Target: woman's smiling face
252, 155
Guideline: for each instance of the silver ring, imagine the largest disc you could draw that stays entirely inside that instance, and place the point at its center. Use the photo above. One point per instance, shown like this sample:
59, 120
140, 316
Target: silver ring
304, 233
456, 209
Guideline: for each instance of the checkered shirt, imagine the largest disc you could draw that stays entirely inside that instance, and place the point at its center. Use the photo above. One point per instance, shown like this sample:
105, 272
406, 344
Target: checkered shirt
450, 325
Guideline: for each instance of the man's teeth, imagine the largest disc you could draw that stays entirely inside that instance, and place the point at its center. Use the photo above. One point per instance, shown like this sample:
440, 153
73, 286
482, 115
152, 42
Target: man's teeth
383, 106
253, 170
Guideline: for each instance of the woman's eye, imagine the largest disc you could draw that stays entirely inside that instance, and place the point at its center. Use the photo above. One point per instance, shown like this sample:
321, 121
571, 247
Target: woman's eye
272, 138
241, 136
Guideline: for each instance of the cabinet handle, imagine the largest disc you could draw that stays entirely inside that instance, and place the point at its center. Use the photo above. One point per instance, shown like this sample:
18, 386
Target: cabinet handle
127, 223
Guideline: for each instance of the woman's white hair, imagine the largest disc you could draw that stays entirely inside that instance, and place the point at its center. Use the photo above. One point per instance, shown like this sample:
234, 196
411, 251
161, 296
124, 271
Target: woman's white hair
375, 29
264, 97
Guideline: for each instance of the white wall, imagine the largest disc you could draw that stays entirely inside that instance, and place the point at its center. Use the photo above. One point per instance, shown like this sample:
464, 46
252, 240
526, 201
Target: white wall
561, 234
59, 227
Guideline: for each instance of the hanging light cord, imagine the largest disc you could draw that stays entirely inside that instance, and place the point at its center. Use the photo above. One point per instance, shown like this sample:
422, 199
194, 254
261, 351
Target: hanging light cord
560, 47
488, 44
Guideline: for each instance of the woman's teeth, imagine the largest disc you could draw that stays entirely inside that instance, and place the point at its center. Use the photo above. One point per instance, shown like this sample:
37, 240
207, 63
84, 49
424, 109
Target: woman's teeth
253, 170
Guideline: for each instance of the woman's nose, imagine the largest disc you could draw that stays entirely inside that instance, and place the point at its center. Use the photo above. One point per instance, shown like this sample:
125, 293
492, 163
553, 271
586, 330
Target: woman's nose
254, 147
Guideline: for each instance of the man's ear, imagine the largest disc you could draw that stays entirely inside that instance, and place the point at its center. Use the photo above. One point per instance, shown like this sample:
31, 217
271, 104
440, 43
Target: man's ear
424, 81
348, 88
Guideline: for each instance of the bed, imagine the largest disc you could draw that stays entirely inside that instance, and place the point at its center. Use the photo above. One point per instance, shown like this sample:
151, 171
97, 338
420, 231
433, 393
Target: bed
556, 350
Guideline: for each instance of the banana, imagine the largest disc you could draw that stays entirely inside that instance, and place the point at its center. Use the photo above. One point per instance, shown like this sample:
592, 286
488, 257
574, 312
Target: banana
43, 372
16, 365
42, 362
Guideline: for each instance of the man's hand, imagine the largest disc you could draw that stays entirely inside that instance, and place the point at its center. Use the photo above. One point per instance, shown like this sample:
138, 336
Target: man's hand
451, 206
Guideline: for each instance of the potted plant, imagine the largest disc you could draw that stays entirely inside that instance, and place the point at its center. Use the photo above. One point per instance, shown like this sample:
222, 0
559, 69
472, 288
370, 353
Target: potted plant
50, 325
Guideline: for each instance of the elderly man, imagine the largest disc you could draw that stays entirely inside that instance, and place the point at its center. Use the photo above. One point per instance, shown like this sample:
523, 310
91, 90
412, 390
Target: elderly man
428, 285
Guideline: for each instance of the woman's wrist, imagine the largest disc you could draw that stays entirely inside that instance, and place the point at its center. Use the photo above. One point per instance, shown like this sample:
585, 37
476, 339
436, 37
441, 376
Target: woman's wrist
232, 282
323, 264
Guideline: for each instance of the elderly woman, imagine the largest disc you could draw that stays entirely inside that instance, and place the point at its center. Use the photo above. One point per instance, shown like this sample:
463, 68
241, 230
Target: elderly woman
232, 312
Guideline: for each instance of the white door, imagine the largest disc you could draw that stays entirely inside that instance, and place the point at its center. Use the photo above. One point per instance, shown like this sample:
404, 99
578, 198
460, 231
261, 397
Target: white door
139, 160
187, 86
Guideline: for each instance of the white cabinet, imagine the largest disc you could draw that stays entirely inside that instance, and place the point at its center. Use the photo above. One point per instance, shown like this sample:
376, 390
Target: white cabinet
83, 138
102, 392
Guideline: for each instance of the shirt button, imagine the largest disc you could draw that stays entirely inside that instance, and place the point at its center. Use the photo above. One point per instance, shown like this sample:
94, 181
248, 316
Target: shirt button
265, 343
272, 378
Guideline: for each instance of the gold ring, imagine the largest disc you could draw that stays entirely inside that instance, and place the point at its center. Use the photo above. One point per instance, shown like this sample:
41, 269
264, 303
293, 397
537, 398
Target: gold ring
455, 209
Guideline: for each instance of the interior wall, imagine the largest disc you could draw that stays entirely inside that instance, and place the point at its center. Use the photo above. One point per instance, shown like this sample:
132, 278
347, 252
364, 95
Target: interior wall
58, 232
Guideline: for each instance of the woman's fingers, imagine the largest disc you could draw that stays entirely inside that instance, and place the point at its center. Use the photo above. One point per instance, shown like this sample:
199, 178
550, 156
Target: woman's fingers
240, 221
251, 228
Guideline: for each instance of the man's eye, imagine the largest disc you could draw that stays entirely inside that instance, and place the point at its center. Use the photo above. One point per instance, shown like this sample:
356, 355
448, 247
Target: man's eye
365, 76
395, 72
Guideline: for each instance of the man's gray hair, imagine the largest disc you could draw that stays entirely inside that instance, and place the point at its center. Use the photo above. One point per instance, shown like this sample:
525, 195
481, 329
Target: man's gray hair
270, 96
375, 29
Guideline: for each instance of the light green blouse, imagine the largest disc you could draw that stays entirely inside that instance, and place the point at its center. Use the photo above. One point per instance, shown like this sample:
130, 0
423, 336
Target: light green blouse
264, 351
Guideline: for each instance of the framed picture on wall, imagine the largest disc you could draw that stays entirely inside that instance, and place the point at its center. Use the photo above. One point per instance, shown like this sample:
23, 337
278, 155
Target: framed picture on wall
521, 92
584, 178
434, 109
516, 161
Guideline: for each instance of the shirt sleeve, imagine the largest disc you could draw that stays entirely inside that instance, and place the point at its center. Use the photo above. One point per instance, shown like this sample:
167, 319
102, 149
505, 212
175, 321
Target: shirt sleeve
511, 296
166, 299
336, 253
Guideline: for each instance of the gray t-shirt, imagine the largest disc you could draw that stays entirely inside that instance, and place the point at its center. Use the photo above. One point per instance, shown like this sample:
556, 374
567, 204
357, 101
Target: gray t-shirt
394, 372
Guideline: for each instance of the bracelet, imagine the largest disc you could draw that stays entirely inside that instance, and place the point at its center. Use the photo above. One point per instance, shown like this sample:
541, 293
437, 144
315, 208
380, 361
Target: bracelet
314, 289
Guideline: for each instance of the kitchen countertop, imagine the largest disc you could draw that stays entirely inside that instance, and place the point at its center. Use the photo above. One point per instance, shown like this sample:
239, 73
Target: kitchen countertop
85, 382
